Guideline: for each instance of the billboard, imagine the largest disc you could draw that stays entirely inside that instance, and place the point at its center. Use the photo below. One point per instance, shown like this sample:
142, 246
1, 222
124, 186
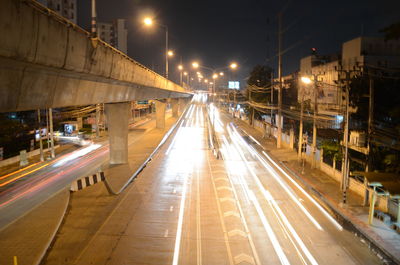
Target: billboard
233, 85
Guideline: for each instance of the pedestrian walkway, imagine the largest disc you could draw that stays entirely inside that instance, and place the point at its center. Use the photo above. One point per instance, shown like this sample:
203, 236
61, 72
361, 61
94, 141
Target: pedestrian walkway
30, 237
327, 190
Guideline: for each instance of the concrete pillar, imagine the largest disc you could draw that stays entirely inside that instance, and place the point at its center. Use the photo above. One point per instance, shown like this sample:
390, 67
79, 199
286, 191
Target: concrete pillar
117, 115
182, 104
291, 138
160, 114
175, 107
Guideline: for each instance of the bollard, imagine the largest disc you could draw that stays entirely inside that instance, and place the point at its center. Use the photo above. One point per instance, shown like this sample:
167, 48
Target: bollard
15, 260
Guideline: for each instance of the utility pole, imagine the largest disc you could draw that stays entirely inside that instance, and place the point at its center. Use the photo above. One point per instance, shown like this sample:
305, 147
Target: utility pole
94, 19
279, 139
272, 98
47, 131
345, 173
370, 129
252, 109
97, 118
166, 52
314, 143
40, 138
52, 153
301, 125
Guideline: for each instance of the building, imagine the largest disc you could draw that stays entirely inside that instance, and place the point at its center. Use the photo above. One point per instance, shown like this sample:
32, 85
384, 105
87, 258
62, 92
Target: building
65, 8
114, 33
323, 70
368, 51
357, 54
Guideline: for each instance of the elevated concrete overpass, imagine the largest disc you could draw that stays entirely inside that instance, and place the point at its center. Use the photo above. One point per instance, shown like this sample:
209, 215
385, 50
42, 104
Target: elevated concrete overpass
48, 62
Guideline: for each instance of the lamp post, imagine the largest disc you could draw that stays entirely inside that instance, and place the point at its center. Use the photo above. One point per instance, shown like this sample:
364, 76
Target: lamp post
307, 80
180, 67
215, 71
187, 78
148, 22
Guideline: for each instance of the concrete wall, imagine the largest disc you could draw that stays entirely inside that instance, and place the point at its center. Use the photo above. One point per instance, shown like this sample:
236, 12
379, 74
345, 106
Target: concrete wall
46, 61
16, 159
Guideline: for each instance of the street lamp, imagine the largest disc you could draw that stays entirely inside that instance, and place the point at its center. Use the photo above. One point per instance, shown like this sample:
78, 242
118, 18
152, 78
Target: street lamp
187, 77
180, 67
195, 65
149, 22
233, 66
307, 80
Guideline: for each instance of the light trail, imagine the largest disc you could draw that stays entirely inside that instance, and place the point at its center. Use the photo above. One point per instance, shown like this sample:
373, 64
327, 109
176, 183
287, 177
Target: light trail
15, 172
180, 224
45, 182
236, 135
275, 243
267, 195
290, 227
267, 227
268, 167
330, 218
20, 176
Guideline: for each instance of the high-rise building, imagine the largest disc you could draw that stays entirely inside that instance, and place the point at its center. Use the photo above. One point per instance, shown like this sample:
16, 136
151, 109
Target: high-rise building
66, 8
114, 33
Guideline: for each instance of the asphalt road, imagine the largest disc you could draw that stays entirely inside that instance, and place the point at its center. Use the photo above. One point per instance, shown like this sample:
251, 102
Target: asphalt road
187, 207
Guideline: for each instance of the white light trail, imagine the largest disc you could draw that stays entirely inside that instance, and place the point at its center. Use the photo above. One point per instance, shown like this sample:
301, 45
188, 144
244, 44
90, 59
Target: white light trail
290, 227
180, 224
338, 226
77, 154
275, 243
276, 177
267, 195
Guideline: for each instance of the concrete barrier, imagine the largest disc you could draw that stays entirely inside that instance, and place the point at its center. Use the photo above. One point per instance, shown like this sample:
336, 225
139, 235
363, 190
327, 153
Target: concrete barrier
87, 181
16, 159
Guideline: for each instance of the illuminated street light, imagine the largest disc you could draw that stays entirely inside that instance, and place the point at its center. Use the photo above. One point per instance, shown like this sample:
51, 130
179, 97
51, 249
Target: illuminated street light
305, 80
148, 21
195, 65
233, 65
185, 73
180, 67
215, 76
221, 73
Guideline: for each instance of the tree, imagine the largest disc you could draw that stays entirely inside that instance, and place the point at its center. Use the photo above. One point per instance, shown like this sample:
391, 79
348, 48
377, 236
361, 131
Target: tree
392, 32
260, 76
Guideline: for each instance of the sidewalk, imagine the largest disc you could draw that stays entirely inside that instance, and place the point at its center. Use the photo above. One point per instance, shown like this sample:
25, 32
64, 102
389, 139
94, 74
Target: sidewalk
30, 237
380, 237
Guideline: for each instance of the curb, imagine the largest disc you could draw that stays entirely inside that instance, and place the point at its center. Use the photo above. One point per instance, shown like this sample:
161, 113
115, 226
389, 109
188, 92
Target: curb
53, 236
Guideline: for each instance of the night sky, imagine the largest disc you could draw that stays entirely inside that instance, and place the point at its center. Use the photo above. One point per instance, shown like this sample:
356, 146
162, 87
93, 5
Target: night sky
218, 32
